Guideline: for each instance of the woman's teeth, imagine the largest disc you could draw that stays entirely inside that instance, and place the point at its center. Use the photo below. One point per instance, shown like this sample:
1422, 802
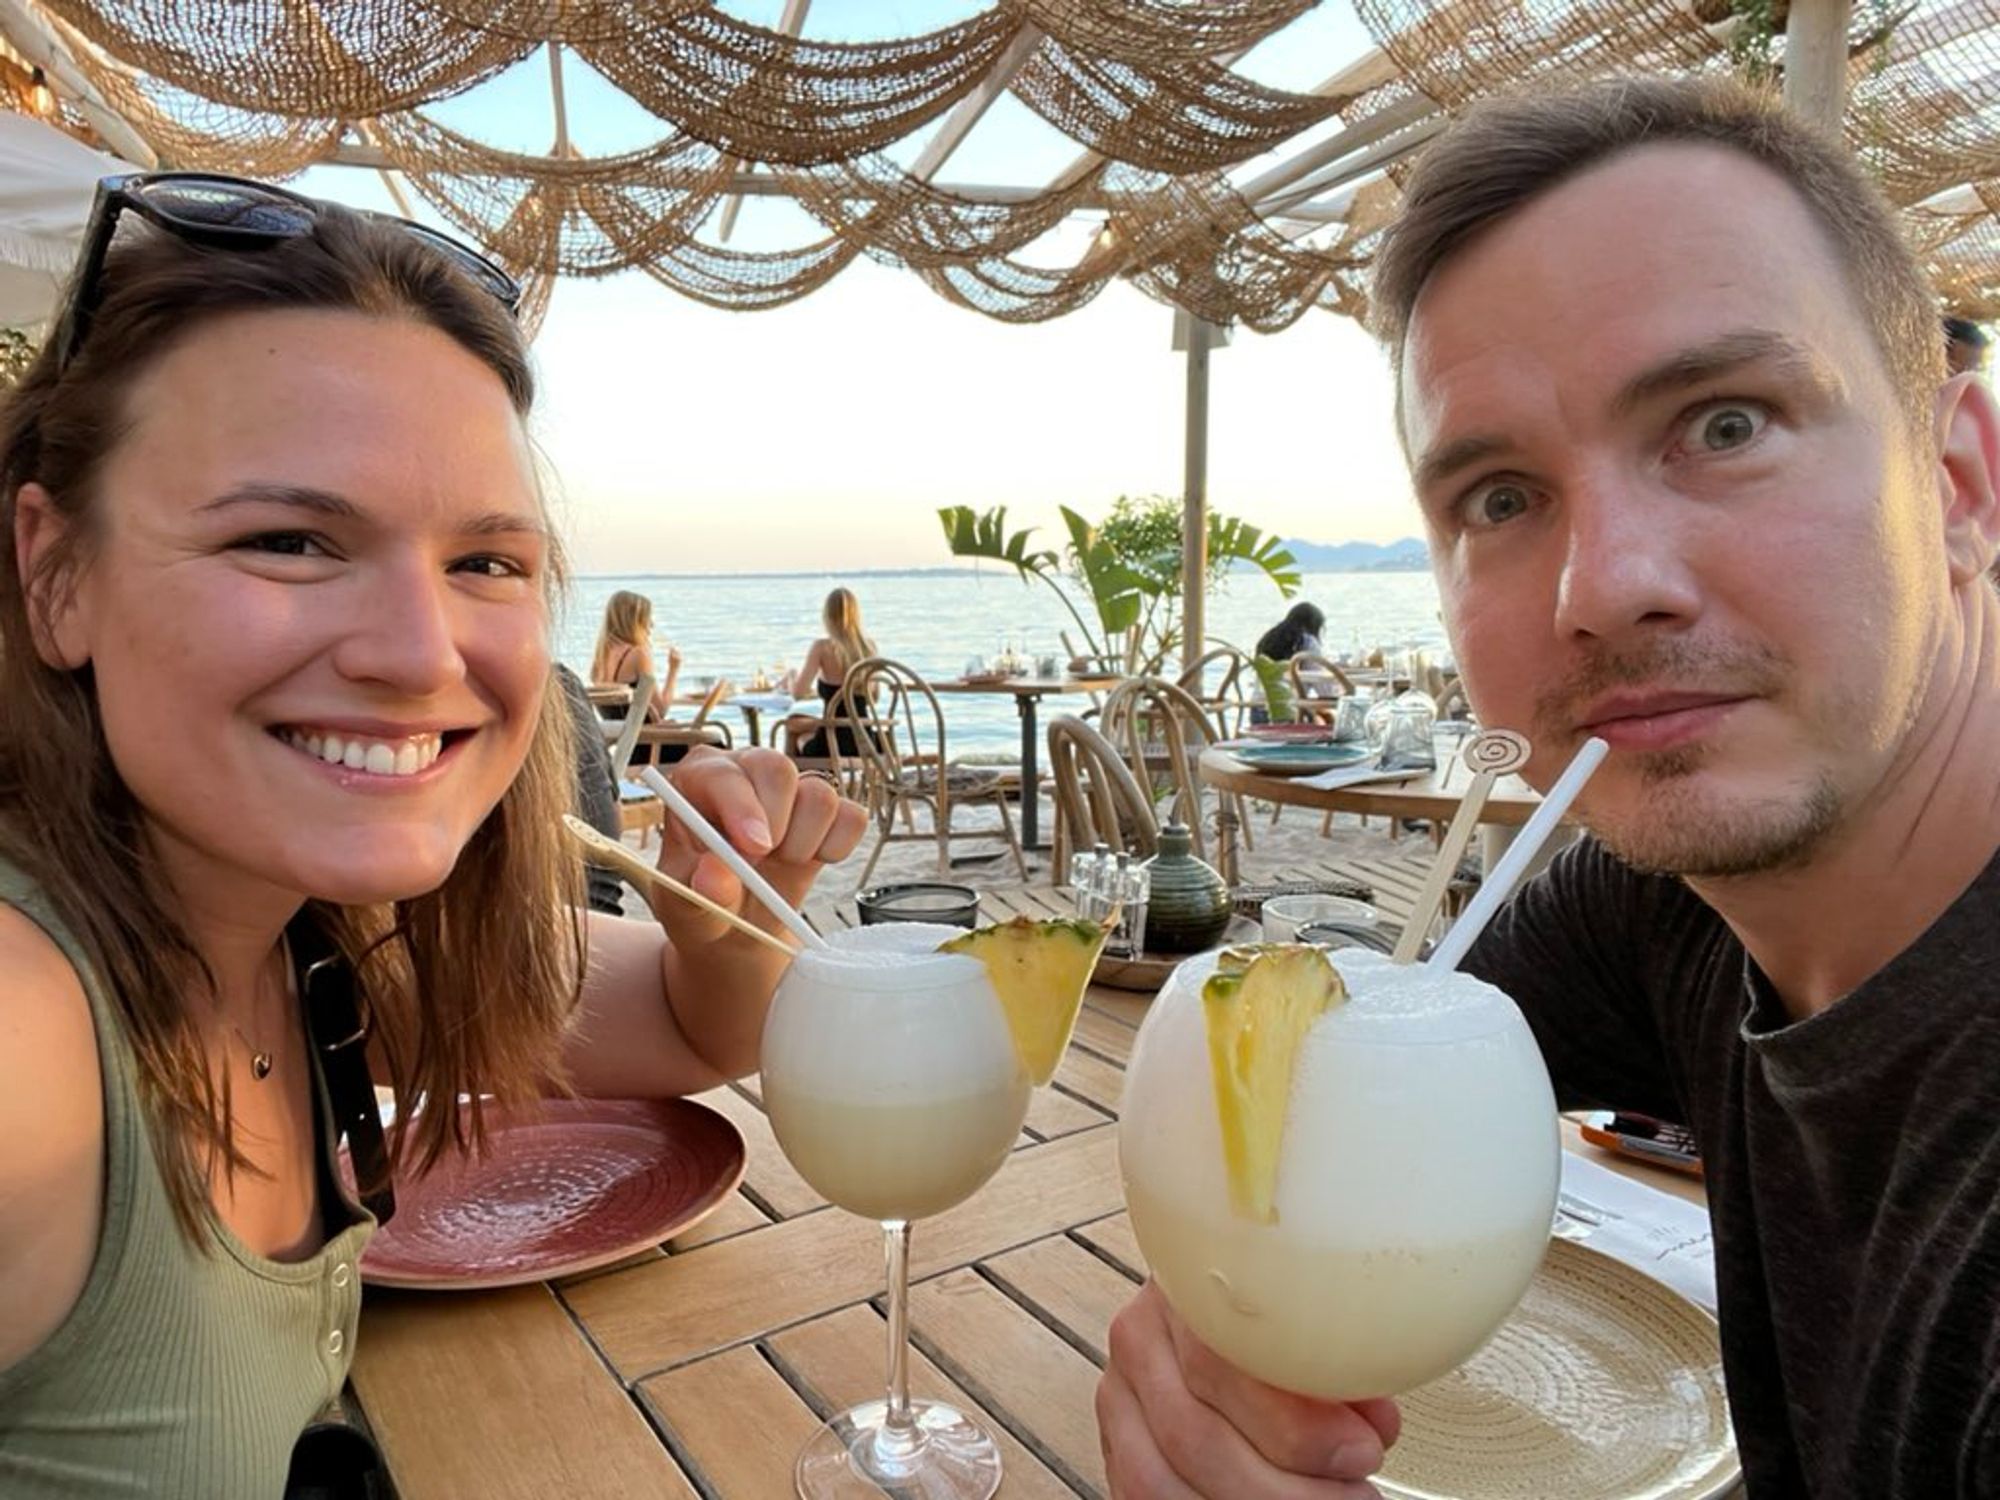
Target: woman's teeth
376, 757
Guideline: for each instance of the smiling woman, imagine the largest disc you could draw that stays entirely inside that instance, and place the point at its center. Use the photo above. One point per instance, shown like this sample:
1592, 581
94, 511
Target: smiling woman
274, 651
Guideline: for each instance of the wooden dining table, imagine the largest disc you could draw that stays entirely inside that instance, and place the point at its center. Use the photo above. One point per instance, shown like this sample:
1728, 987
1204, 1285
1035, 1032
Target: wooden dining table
1027, 693
701, 1366
1432, 796
753, 704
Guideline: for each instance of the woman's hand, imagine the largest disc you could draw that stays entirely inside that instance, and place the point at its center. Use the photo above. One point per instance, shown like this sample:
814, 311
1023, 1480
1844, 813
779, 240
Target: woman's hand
789, 827
1179, 1423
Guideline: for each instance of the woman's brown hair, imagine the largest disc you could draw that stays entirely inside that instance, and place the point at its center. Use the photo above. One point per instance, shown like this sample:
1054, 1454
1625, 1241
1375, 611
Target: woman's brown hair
470, 984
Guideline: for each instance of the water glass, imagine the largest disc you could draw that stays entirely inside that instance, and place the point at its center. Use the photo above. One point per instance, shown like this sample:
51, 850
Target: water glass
1400, 729
1350, 719
1285, 916
1332, 935
919, 901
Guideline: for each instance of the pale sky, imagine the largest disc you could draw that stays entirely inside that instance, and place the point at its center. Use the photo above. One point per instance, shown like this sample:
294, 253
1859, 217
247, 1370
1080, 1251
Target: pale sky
826, 433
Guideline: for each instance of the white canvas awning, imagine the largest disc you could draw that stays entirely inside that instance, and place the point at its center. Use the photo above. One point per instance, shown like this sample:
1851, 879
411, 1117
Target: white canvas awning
46, 182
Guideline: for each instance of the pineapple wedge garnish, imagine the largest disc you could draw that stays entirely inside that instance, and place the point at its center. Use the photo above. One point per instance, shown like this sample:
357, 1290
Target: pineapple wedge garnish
1260, 1002
1040, 971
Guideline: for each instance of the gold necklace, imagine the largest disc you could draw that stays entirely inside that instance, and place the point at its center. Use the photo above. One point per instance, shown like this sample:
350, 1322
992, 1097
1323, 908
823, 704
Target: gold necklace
261, 1060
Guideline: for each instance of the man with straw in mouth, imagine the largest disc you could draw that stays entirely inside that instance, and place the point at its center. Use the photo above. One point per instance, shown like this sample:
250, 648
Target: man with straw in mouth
1697, 482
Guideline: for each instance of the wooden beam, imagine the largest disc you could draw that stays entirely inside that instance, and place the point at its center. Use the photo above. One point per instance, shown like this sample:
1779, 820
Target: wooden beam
1958, 200
33, 38
748, 184
1398, 116
1339, 173
791, 23
1816, 61
1305, 219
975, 104
556, 97
1369, 71
388, 176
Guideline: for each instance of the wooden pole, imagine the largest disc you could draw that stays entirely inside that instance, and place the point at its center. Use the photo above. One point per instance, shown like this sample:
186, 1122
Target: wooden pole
791, 23
557, 100
1194, 495
35, 40
408, 210
1816, 61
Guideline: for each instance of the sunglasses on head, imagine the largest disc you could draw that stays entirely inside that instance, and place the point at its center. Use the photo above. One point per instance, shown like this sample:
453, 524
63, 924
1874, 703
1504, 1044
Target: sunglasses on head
229, 213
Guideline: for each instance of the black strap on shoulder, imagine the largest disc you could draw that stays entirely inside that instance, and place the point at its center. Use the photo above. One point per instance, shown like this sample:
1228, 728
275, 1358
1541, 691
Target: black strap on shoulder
340, 1037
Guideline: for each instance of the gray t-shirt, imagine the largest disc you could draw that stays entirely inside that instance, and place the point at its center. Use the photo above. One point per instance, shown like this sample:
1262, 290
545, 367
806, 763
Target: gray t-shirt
1852, 1158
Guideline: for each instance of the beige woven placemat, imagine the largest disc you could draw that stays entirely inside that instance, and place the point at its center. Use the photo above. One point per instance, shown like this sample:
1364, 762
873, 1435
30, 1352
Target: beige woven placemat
1604, 1385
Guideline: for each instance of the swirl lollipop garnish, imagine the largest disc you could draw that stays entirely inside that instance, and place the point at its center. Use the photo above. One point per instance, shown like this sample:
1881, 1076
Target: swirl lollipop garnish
1497, 751
1489, 755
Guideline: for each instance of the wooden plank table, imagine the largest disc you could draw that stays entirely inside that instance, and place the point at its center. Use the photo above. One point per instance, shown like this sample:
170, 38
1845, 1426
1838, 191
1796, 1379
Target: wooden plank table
700, 1368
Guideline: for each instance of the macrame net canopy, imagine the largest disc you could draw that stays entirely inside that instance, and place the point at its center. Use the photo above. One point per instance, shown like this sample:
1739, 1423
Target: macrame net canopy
1167, 131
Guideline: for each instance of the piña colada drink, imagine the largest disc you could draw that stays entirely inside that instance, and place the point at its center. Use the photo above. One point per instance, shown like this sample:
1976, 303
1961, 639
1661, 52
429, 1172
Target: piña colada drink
1341, 1171
896, 1070
889, 1072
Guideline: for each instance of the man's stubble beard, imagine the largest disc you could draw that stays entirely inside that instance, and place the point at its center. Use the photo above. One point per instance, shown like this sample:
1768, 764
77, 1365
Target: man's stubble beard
1669, 836
1676, 829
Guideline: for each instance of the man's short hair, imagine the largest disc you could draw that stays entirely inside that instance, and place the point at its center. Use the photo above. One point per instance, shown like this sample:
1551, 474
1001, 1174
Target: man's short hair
1507, 151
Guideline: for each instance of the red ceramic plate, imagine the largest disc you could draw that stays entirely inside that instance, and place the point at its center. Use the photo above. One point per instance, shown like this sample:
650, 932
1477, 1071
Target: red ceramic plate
566, 1185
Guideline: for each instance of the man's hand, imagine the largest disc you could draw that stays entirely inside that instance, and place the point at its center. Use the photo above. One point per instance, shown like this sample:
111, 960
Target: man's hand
787, 826
1178, 1423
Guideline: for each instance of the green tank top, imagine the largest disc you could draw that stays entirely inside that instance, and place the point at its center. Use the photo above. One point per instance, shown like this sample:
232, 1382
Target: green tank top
178, 1373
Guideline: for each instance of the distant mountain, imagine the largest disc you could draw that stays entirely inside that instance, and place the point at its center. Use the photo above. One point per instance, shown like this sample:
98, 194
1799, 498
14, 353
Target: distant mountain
1406, 556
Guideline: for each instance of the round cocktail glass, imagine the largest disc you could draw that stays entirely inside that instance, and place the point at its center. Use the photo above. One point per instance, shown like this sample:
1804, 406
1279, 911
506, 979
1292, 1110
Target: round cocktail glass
892, 1083
1416, 1181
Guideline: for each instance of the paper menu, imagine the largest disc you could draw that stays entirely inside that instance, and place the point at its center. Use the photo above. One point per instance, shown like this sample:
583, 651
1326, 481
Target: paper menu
1339, 776
1651, 1231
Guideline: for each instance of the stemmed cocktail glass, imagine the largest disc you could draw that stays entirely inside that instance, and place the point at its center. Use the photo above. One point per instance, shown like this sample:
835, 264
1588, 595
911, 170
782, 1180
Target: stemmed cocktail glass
892, 1083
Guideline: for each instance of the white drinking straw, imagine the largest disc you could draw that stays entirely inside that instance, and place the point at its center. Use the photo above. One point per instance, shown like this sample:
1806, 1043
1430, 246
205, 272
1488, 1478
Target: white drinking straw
1499, 881
720, 847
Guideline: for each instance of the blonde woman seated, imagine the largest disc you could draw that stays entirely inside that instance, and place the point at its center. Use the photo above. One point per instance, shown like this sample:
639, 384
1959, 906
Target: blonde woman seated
826, 664
625, 654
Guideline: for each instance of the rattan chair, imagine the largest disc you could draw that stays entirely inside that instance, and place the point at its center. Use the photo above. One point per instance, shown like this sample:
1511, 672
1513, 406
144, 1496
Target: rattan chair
1097, 799
1308, 705
1227, 705
835, 728
899, 741
622, 735
1160, 730
638, 809
700, 730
